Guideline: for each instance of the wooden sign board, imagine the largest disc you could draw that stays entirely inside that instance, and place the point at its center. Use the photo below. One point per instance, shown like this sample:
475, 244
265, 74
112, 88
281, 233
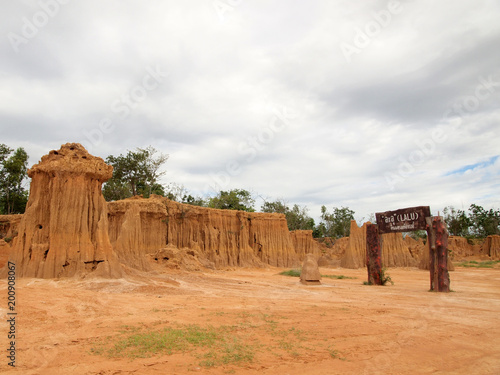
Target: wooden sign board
403, 220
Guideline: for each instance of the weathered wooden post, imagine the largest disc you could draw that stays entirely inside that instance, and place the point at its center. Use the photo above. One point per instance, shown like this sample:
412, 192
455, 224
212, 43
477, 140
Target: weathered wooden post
373, 255
437, 236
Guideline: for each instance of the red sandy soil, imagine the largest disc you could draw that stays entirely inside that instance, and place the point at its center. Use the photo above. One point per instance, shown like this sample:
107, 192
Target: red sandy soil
339, 327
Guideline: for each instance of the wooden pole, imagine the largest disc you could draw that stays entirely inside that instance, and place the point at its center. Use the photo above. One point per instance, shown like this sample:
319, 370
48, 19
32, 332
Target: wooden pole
437, 237
442, 254
373, 255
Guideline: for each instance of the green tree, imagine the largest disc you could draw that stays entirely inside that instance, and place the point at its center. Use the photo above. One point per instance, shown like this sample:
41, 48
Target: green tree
13, 196
194, 201
336, 224
175, 191
456, 221
135, 173
236, 199
115, 190
483, 222
297, 217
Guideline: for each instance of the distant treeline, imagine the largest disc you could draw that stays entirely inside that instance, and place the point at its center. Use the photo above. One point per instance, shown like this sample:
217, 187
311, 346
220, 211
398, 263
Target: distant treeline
138, 173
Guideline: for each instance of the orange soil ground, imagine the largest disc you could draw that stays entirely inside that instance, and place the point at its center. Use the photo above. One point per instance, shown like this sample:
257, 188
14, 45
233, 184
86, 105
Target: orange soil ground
340, 327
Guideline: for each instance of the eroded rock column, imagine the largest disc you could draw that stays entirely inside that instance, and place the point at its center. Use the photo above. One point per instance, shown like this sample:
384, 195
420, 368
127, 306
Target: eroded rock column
64, 231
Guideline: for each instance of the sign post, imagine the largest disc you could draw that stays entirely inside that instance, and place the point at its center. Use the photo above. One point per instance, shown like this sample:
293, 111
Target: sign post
437, 236
403, 220
412, 219
373, 255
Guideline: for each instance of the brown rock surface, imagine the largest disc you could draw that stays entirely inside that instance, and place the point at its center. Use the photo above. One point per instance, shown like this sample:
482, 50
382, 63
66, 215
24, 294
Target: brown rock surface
8, 225
355, 253
186, 259
460, 248
4, 252
310, 272
225, 238
231, 238
137, 227
424, 260
491, 247
415, 247
304, 243
64, 231
395, 252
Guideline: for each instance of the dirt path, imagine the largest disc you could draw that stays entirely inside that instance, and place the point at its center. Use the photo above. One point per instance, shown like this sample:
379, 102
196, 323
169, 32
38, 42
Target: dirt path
277, 325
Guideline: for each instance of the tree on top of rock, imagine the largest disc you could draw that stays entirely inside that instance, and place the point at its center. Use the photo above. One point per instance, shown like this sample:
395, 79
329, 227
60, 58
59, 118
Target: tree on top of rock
236, 199
13, 171
479, 223
135, 173
297, 217
336, 224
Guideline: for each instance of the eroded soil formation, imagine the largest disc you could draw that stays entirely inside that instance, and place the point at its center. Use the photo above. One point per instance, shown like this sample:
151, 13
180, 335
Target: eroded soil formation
152, 286
68, 230
273, 324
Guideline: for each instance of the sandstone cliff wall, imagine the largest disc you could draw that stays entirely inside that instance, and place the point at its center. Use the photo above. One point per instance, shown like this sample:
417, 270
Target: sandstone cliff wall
395, 252
231, 238
491, 247
304, 243
64, 231
355, 253
8, 225
460, 247
416, 247
424, 262
138, 227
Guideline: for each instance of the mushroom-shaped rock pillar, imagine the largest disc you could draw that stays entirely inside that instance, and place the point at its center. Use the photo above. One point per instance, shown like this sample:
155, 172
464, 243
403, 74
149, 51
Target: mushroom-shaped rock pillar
64, 231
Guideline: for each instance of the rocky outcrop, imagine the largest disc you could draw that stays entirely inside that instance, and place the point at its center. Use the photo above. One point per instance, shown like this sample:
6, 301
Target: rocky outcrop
137, 228
491, 247
8, 226
231, 238
355, 254
395, 252
309, 274
304, 243
415, 247
64, 231
460, 247
4, 252
140, 227
186, 259
424, 262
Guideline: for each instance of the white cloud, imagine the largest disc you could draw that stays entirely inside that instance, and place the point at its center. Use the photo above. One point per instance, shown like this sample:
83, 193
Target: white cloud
355, 121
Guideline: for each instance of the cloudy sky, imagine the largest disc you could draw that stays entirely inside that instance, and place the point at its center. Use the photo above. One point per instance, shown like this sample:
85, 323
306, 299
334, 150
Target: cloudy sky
374, 105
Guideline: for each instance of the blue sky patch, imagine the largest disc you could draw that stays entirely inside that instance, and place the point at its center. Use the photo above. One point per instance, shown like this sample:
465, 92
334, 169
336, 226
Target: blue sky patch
479, 165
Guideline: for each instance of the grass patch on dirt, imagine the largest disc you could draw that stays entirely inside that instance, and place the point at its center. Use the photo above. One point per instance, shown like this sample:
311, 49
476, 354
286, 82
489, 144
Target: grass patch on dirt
236, 344
296, 273
476, 264
213, 346
338, 277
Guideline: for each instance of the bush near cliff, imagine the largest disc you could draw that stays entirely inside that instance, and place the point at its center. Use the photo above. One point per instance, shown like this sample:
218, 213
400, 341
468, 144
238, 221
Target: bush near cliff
13, 173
